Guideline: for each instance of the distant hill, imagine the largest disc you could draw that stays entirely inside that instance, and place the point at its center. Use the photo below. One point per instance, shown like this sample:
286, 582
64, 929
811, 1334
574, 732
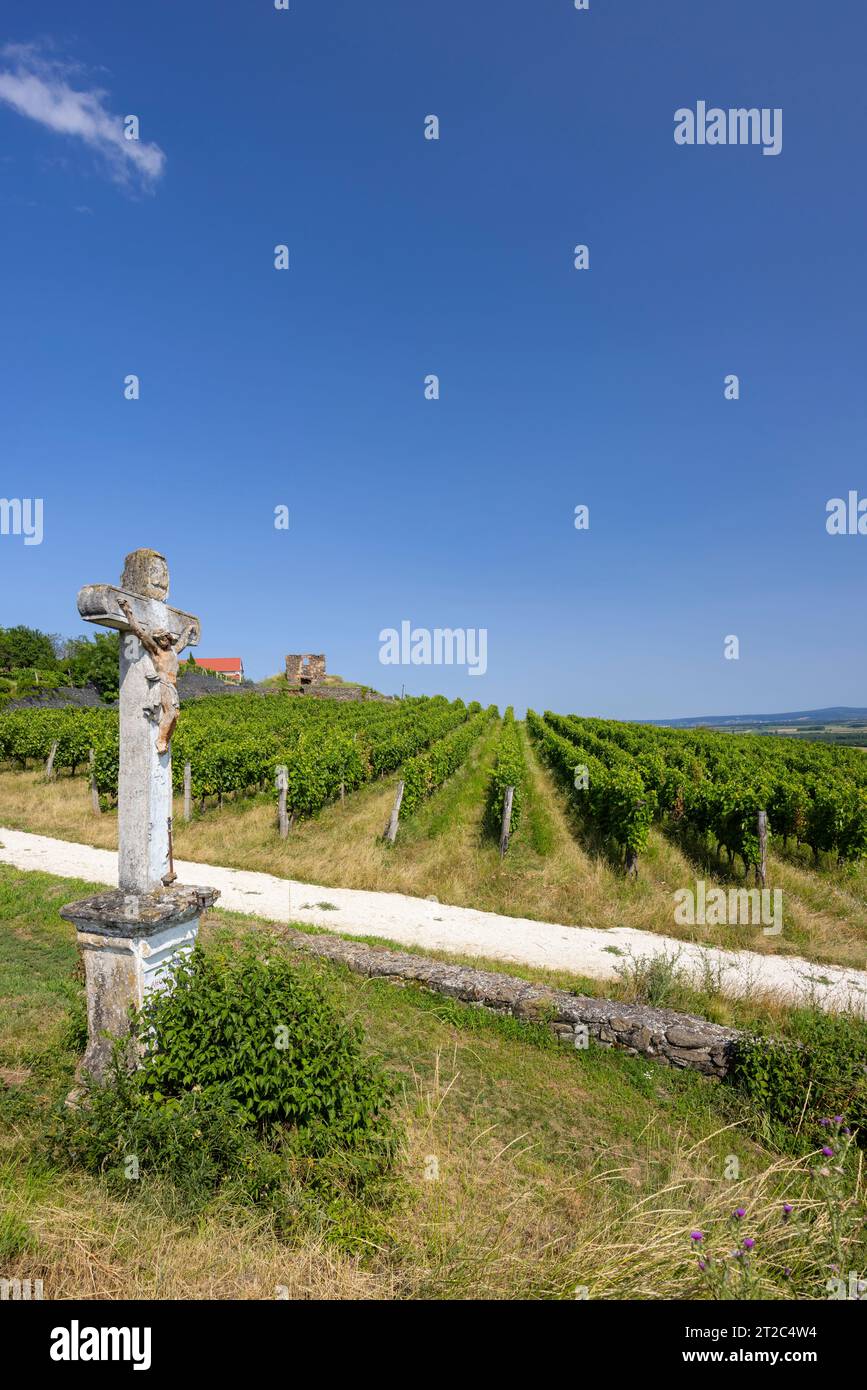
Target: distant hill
834, 714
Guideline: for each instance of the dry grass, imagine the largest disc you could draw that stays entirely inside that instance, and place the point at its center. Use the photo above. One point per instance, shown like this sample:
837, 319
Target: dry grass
88, 1245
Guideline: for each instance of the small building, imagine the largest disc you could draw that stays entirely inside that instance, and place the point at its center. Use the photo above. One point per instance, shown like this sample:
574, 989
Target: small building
228, 668
303, 669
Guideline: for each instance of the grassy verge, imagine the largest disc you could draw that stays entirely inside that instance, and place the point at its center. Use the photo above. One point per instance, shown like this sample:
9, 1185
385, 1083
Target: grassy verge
529, 1171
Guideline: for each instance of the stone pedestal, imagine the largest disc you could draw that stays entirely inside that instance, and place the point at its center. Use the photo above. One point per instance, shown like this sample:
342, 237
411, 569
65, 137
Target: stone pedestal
128, 940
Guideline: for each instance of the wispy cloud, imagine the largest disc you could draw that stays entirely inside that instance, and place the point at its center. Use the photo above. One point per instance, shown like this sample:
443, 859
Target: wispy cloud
40, 88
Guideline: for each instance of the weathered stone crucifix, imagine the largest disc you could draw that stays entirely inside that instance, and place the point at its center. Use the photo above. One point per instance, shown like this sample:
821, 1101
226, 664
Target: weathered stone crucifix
152, 635
128, 937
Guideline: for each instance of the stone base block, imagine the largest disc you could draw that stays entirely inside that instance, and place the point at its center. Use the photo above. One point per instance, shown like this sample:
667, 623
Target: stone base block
127, 941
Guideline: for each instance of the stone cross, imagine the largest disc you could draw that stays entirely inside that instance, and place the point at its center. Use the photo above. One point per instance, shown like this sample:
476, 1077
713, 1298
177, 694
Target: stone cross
130, 937
152, 635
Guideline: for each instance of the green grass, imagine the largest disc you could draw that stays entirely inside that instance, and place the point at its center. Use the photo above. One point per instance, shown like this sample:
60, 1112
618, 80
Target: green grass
555, 1168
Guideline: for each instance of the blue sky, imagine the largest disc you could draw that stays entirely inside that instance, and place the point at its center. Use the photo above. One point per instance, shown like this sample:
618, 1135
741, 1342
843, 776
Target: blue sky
305, 388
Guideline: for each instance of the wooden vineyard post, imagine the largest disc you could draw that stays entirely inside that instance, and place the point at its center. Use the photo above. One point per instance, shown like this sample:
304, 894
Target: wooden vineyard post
342, 791
94, 793
507, 821
391, 828
49, 766
763, 848
188, 792
282, 788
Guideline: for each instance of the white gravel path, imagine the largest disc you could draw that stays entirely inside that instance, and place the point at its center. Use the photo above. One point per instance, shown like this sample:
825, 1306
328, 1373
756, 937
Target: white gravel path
420, 922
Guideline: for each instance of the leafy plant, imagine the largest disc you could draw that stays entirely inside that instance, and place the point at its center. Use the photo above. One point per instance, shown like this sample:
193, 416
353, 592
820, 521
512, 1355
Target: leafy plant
820, 1070
249, 1080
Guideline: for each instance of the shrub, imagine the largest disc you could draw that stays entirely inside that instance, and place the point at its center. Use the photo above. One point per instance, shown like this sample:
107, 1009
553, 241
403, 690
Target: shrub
191, 1141
250, 1078
264, 1030
820, 1071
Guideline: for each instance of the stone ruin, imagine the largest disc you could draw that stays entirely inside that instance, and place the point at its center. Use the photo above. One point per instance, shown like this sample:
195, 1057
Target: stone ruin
305, 669
305, 675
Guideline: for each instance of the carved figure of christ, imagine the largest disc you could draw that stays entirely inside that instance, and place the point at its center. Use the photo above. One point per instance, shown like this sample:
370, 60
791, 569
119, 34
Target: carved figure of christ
163, 648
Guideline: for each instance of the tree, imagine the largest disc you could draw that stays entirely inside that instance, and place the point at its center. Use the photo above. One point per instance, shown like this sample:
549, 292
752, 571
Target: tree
95, 662
22, 647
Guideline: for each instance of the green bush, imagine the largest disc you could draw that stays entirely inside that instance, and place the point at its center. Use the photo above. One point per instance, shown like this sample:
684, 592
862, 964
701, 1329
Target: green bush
249, 1080
819, 1072
192, 1141
264, 1030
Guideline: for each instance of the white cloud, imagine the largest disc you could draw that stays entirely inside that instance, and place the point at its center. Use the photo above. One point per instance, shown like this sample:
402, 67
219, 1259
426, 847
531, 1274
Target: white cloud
36, 87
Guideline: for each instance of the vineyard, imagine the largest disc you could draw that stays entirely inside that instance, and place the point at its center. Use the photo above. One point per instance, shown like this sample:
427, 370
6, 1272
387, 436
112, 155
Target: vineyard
620, 778
238, 745
597, 822
624, 777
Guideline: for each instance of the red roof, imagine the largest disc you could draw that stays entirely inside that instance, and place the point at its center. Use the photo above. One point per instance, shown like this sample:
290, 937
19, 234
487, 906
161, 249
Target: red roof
219, 663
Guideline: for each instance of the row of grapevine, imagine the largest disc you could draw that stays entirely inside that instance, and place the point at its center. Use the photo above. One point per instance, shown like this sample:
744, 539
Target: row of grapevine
235, 744
718, 783
321, 756
28, 735
509, 770
721, 780
425, 773
322, 765
611, 799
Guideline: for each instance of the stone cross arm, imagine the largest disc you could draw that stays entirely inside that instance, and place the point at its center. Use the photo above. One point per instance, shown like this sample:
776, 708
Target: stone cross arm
101, 603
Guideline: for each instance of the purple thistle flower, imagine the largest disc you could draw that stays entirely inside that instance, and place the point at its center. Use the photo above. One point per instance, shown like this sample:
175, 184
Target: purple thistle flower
828, 1152
824, 1122
787, 1210
787, 1273
702, 1266
696, 1235
749, 1243
838, 1119
739, 1212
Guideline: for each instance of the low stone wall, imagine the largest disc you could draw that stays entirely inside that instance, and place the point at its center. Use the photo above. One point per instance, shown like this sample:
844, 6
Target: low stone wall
64, 697
345, 692
675, 1039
